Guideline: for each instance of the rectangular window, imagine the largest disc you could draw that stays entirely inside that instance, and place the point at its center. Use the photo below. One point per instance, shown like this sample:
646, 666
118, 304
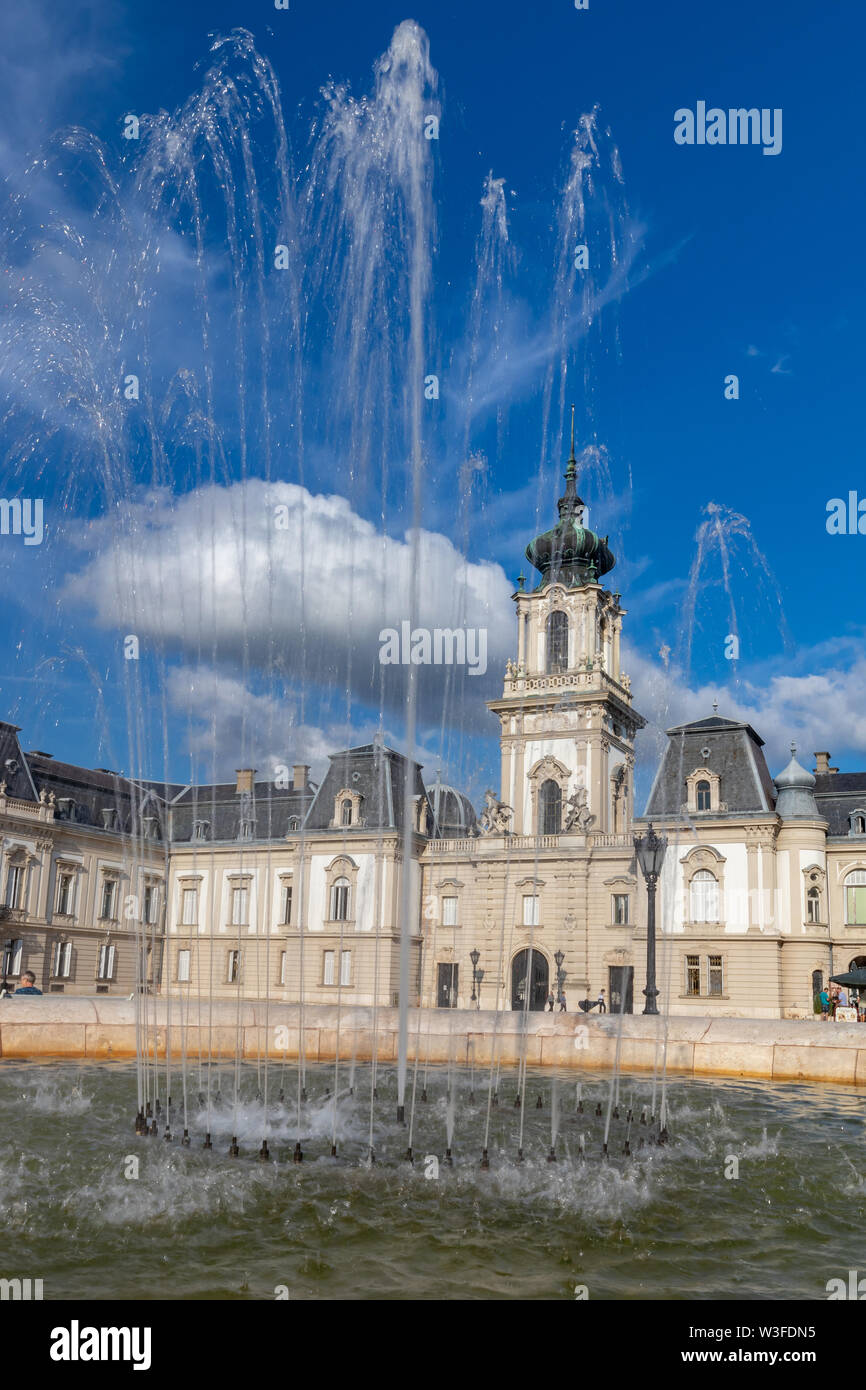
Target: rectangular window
109, 897
715, 974
64, 894
856, 906
620, 909
183, 967
282, 979
530, 910
12, 951
239, 905
148, 909
189, 907
105, 963
287, 904
234, 967
328, 972
14, 885
693, 975
61, 960
449, 912
346, 968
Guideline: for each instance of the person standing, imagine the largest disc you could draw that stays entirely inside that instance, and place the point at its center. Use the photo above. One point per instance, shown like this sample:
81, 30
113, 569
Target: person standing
562, 1008
550, 1002
602, 1004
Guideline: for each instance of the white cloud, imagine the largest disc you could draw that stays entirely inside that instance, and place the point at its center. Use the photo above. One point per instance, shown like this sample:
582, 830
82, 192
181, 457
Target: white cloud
209, 577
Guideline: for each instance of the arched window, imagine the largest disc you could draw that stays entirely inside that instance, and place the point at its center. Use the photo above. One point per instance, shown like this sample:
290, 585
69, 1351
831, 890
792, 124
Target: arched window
294, 823
557, 642
346, 812
550, 808
855, 898
857, 822
813, 905
702, 796
340, 900
704, 892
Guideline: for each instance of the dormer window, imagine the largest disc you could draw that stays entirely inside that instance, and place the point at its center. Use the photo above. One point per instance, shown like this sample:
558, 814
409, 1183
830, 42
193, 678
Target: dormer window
200, 829
703, 791
347, 810
857, 822
294, 823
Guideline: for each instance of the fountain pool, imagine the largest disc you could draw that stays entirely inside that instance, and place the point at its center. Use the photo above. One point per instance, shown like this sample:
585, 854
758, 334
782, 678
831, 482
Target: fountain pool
663, 1224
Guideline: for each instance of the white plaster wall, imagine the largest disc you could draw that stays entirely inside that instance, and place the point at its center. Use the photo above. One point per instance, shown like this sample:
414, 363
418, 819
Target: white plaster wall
783, 891
316, 904
365, 902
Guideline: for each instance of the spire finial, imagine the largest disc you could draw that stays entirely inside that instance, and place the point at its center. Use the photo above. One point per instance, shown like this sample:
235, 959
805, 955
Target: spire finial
793, 750
715, 706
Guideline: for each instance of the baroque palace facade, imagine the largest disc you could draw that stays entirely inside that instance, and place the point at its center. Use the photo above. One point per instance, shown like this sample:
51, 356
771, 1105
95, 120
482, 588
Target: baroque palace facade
109, 883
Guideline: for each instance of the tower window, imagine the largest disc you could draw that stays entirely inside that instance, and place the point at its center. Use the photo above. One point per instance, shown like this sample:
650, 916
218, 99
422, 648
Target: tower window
550, 808
557, 642
702, 792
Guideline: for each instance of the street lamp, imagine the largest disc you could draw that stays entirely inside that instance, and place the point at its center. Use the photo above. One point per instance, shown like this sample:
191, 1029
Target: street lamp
650, 852
477, 976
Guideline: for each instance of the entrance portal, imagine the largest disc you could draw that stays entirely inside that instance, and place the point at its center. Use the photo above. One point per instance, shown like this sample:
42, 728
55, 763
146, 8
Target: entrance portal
529, 971
621, 987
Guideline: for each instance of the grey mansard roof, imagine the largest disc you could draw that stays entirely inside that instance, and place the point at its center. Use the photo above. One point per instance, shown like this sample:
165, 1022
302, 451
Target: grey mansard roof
378, 775
837, 795
735, 752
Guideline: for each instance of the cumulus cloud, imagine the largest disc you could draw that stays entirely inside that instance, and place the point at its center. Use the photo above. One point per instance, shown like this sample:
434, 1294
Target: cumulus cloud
213, 576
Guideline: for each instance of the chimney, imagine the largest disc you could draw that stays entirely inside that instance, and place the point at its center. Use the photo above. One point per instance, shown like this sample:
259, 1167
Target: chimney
245, 776
822, 765
300, 771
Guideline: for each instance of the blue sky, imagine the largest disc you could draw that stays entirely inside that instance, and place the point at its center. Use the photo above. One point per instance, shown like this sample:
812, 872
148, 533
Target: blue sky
740, 263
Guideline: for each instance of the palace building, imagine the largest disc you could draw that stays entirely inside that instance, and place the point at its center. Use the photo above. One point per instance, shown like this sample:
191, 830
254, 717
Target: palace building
250, 889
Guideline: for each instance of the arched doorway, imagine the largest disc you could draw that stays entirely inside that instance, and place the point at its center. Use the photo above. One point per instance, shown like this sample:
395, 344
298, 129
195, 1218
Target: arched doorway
858, 963
529, 972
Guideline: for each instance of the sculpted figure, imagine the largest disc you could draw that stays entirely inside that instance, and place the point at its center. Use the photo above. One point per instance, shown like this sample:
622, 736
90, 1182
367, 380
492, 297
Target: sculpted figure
495, 816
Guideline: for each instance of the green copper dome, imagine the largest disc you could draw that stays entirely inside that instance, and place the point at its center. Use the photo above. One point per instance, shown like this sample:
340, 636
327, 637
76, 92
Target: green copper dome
570, 553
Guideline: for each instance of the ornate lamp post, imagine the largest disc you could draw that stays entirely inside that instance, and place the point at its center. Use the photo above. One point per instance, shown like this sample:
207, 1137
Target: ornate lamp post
650, 852
477, 977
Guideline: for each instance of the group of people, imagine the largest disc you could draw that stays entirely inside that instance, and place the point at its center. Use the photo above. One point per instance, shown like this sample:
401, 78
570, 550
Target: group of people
585, 1004
833, 997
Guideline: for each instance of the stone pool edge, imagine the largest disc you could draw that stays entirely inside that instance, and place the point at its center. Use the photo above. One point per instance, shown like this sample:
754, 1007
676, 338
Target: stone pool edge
102, 1029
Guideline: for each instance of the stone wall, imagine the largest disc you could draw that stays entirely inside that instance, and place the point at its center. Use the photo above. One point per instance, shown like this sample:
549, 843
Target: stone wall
775, 1048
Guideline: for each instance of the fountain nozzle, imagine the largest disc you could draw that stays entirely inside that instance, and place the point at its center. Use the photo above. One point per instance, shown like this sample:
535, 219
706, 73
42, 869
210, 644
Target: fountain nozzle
485, 1161
207, 1143
551, 1157
264, 1152
234, 1151
539, 1104
410, 1157
185, 1140
401, 1114
297, 1156
448, 1159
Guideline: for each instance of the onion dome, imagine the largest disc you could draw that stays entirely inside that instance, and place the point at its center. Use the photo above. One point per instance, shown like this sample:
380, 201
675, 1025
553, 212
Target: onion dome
570, 553
796, 788
453, 813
